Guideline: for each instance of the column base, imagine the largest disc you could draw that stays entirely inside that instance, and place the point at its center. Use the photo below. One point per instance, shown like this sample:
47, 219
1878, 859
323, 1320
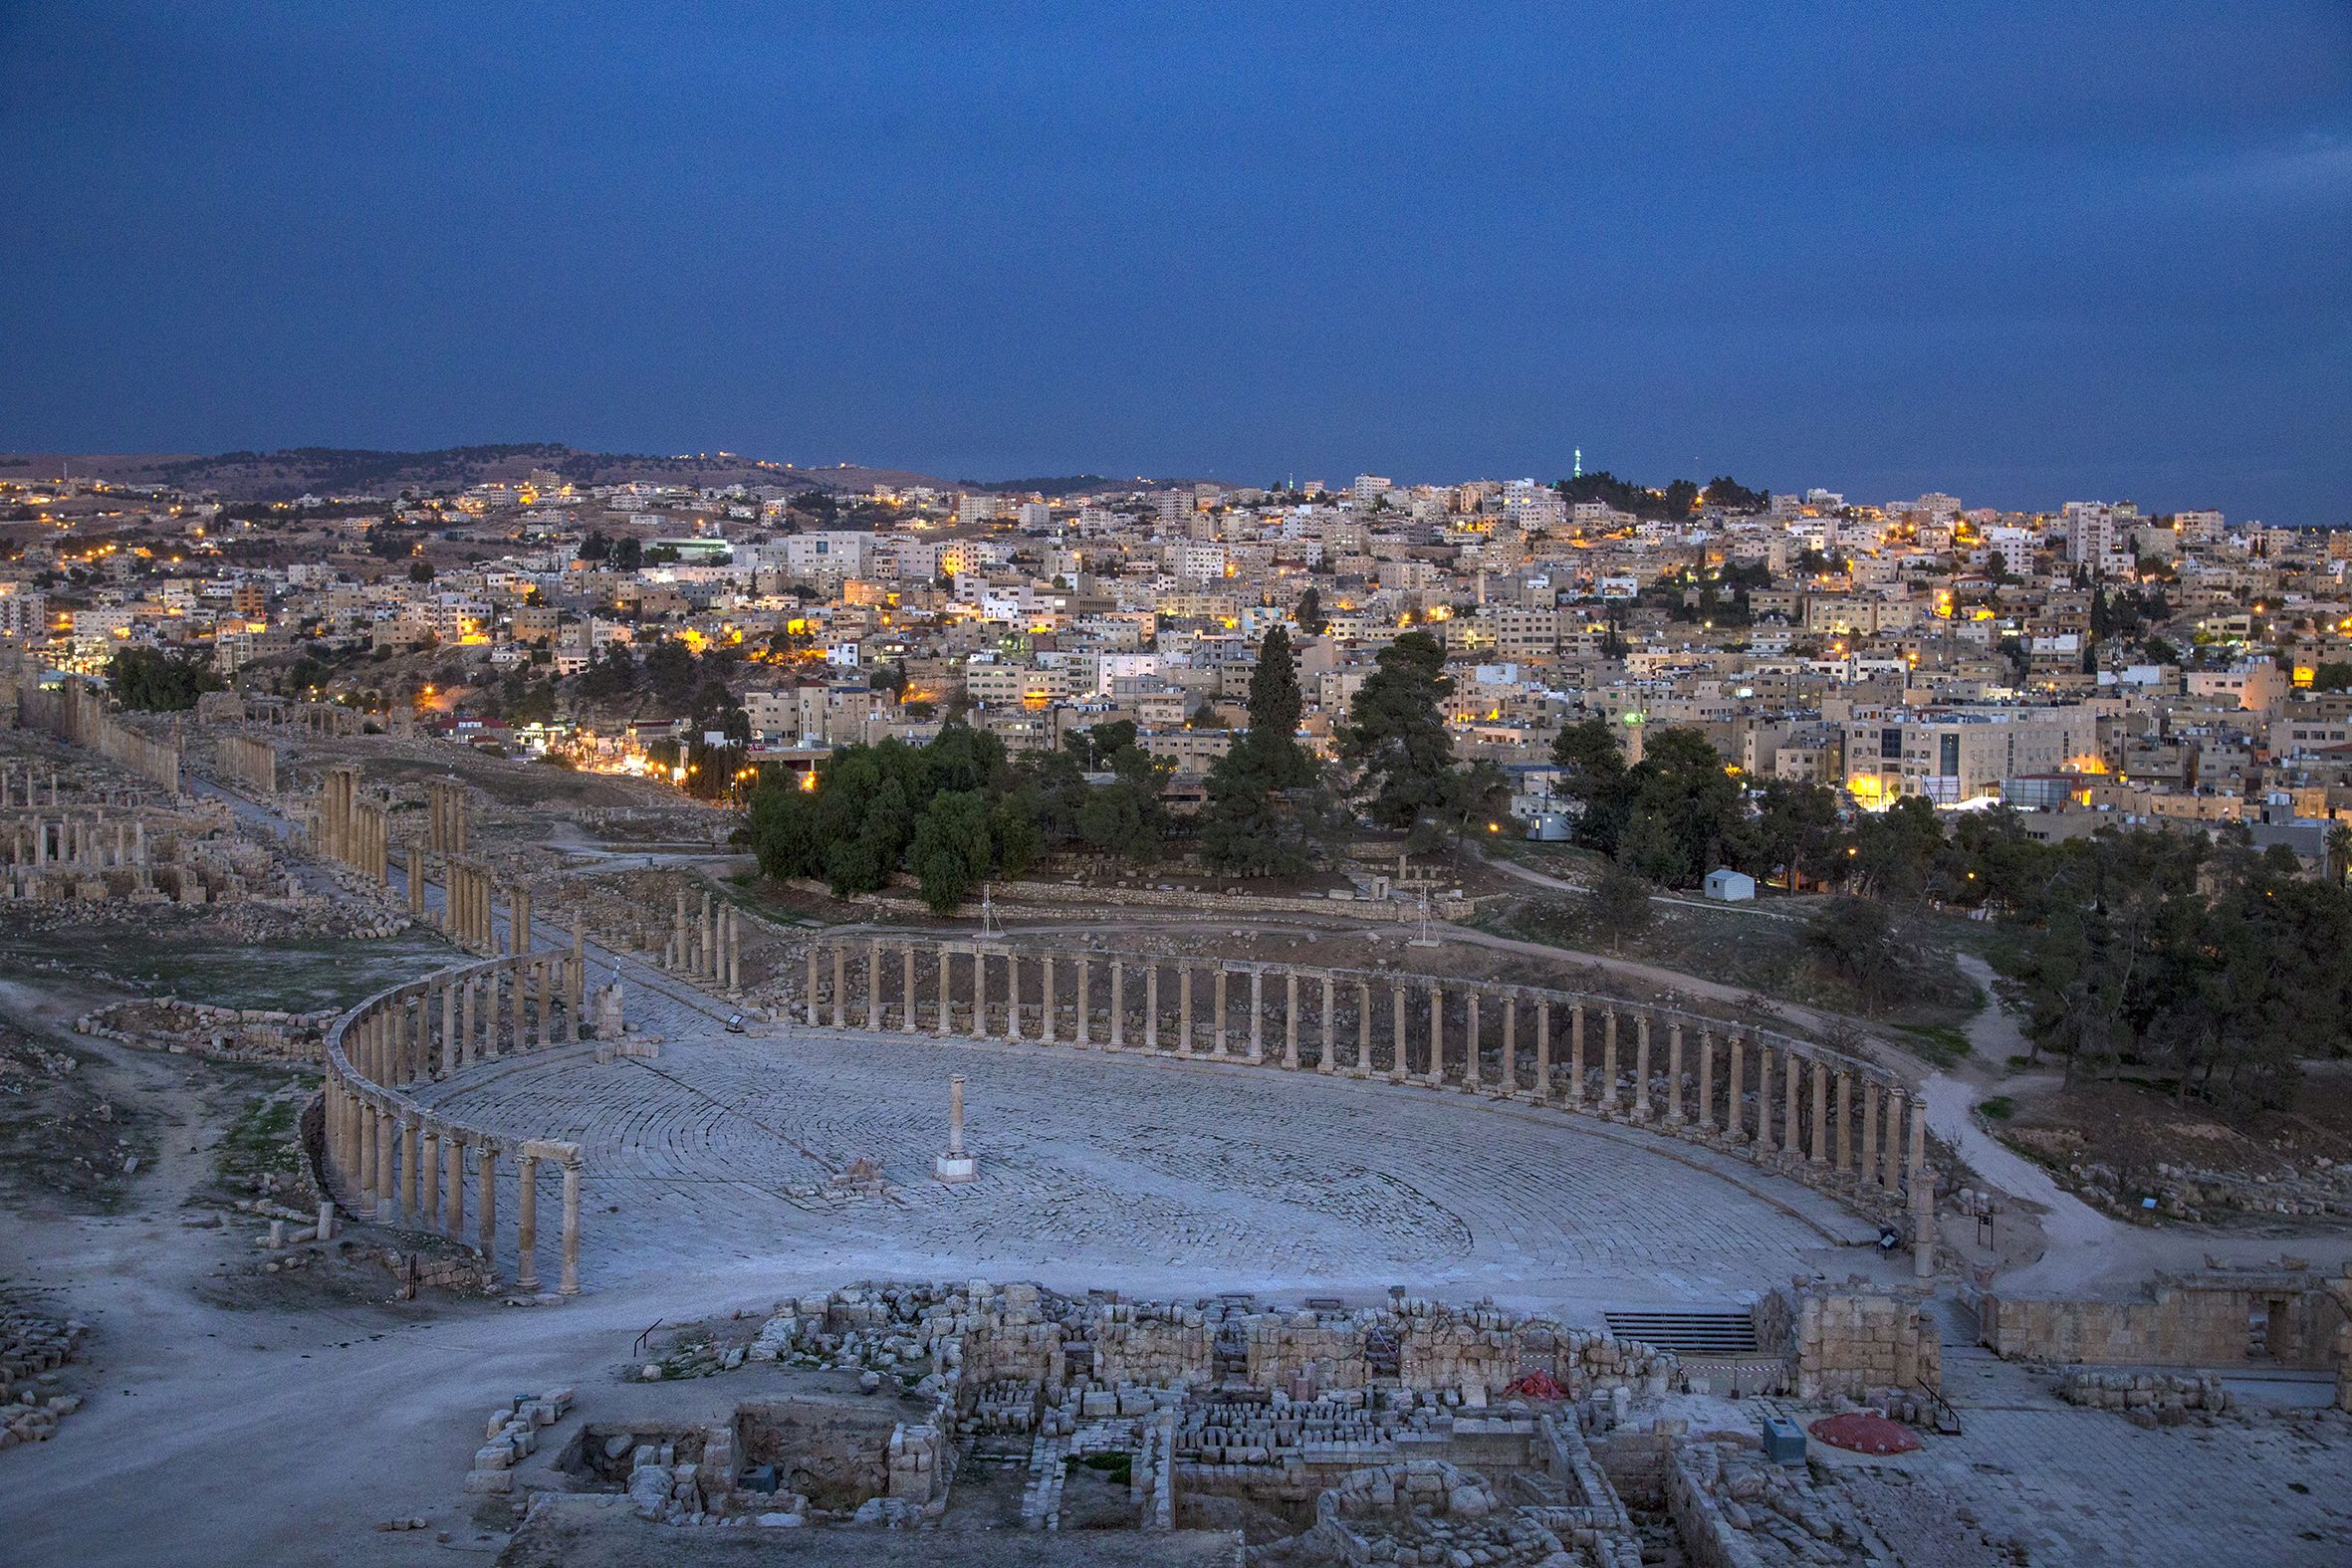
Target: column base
955, 1168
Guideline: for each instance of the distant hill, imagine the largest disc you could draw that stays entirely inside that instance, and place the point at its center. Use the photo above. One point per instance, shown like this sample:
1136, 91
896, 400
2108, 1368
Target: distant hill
328, 471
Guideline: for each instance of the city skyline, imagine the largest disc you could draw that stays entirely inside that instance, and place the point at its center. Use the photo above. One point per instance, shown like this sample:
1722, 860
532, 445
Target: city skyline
1829, 250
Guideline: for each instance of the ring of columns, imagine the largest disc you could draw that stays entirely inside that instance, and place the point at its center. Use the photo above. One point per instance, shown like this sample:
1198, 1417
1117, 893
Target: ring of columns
389, 1157
1824, 1118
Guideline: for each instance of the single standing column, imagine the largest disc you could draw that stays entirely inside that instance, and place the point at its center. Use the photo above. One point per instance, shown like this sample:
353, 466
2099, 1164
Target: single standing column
1735, 1113
366, 1160
453, 1185
841, 986
1045, 999
1291, 1020
1674, 1071
1705, 1078
1470, 1066
1083, 1023
526, 1222
1217, 1029
1328, 1053
1118, 1003
1923, 1196
1363, 1028
408, 1170
1257, 1015
1641, 1067
1819, 1154
1845, 1120
1576, 1055
1437, 1037
1791, 1089
1870, 1132
1611, 1095
1510, 1045
571, 1285
1396, 1016
1184, 1009
576, 978
1892, 1154
486, 1177
428, 1159
906, 989
1542, 1049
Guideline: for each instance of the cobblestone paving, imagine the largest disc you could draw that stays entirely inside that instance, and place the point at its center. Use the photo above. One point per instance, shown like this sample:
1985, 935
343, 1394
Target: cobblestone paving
2086, 1488
1101, 1170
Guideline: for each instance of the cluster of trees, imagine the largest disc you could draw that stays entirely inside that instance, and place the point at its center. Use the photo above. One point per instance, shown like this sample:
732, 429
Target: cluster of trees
1265, 807
1677, 500
1396, 739
160, 682
625, 554
2212, 961
957, 812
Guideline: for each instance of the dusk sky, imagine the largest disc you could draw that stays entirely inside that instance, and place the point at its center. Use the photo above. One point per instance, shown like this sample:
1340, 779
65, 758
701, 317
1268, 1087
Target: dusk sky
2022, 252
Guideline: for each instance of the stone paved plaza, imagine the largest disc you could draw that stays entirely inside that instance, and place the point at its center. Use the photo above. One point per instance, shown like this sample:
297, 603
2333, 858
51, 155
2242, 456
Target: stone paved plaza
1154, 1173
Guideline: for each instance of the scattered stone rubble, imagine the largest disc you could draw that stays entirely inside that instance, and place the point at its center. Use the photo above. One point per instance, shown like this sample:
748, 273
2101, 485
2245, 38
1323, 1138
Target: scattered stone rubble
34, 1348
198, 1028
2148, 1398
1732, 1505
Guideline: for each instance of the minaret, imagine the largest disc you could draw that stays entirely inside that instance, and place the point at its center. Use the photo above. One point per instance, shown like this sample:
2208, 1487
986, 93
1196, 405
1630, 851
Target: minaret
1579, 467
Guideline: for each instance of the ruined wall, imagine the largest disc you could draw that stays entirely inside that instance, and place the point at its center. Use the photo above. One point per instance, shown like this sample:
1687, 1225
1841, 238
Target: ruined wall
2193, 1321
1847, 1343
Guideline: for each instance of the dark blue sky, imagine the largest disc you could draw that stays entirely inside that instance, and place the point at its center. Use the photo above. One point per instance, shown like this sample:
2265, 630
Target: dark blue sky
2025, 253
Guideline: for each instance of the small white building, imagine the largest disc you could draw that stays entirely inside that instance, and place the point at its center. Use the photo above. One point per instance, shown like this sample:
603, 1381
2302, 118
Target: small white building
1727, 886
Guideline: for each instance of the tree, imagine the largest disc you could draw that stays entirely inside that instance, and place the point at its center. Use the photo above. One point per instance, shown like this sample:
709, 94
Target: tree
1309, 612
951, 849
1853, 940
1622, 900
157, 682
1258, 816
420, 570
1397, 740
670, 670
1592, 773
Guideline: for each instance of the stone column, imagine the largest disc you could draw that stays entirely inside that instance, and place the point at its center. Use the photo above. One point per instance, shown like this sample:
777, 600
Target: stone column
1705, 1078
1363, 1028
710, 938
1118, 1003
1576, 1055
1674, 1112
1543, 1049
453, 1185
486, 1177
518, 924
570, 1285
428, 1159
1611, 1095
947, 976
490, 989
575, 978
979, 993
546, 980
1045, 1019
386, 1139
408, 1170
678, 934
1923, 1196
366, 1160
1763, 1098
1082, 1030
1819, 1153
1327, 1052
1510, 1045
1870, 1173
1641, 1067
1471, 1068
814, 1019
1152, 1006
1291, 1020
1184, 1009
841, 986
1012, 995
906, 990
1792, 1087
1217, 1029
1396, 1017
1437, 1037
526, 1222
1257, 1014
874, 986
1845, 1120
1734, 1114
416, 883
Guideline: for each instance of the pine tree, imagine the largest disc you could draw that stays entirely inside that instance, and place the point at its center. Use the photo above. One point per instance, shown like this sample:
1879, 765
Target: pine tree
1260, 792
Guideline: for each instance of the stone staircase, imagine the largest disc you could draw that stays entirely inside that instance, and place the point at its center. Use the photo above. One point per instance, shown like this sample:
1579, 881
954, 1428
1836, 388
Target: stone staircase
1727, 1335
